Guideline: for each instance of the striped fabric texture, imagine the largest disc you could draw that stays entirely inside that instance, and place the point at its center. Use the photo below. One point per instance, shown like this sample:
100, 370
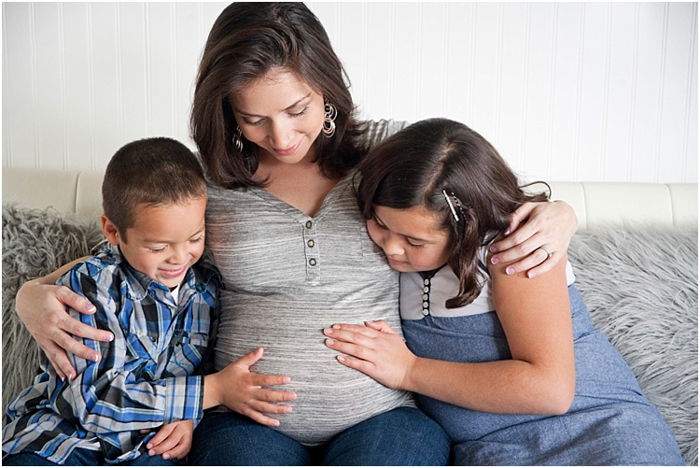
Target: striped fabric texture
145, 377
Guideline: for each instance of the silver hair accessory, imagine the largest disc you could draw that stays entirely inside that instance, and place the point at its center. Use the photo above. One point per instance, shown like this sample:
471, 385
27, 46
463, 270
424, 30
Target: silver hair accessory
329, 115
237, 139
448, 199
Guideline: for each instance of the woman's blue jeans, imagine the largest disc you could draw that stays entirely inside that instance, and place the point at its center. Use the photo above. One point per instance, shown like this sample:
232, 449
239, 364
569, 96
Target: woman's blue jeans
403, 436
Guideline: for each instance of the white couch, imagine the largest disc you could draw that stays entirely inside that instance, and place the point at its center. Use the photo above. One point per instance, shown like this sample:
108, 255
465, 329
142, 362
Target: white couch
596, 203
635, 258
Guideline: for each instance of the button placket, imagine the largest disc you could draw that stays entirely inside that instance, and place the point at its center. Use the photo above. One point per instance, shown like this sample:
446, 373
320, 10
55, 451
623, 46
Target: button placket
426, 297
311, 253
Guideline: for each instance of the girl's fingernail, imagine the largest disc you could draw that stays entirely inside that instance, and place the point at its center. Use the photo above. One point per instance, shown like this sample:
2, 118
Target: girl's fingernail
330, 342
166, 456
510, 271
96, 357
151, 452
506, 232
336, 326
91, 308
495, 260
493, 249
328, 331
531, 274
341, 359
109, 337
149, 446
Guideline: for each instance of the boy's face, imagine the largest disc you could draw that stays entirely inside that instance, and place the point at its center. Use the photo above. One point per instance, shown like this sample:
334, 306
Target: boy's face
410, 238
165, 240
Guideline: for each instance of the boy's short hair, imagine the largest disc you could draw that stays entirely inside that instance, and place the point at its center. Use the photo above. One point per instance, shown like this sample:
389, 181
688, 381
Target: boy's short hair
151, 171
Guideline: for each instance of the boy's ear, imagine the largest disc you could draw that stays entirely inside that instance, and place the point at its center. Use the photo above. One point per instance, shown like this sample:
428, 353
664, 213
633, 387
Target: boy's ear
109, 229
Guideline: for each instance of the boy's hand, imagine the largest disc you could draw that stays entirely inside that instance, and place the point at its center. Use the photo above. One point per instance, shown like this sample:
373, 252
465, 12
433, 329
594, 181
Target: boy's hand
246, 392
173, 440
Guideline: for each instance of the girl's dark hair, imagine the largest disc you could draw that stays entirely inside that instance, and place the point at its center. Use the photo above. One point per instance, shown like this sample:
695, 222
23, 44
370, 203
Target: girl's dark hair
414, 166
246, 41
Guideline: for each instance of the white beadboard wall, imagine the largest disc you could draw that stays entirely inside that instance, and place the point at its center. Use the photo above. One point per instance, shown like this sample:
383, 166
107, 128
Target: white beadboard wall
565, 91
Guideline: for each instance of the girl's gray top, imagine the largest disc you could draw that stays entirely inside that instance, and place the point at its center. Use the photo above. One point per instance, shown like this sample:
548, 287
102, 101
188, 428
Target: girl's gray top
286, 277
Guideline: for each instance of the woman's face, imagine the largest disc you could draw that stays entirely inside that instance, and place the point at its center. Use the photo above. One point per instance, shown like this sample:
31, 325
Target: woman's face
281, 114
410, 238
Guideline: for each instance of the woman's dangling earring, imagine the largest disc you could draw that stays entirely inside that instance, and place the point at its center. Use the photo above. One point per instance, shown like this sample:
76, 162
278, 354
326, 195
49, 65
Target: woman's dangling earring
237, 139
329, 115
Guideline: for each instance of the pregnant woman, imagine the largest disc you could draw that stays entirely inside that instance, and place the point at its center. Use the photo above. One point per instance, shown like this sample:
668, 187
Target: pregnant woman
274, 122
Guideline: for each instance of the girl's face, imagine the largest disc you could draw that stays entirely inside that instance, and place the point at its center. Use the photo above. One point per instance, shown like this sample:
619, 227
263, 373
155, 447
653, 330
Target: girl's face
281, 114
411, 238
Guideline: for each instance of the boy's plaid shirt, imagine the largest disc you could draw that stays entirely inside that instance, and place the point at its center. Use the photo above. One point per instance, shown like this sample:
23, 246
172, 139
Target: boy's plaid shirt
144, 379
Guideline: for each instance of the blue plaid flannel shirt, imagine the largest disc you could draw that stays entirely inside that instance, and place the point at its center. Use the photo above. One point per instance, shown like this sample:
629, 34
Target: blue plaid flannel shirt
145, 377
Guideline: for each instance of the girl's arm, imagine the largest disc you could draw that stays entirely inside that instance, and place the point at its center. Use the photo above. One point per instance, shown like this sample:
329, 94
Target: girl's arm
41, 305
547, 225
539, 379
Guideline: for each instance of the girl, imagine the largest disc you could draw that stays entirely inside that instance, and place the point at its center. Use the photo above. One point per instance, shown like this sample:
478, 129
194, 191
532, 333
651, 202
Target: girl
274, 123
512, 368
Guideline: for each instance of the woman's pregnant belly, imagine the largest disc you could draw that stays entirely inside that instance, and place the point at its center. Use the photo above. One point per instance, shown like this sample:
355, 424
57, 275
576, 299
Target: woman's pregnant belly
330, 396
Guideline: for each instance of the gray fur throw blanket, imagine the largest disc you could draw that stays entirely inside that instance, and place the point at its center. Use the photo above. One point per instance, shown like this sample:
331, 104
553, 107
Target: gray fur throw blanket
640, 285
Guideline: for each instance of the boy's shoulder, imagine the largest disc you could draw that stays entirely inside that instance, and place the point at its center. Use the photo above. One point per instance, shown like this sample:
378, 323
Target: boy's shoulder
104, 261
206, 274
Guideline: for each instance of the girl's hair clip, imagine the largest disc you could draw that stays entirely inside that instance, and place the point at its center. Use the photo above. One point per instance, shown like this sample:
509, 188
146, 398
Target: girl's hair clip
448, 199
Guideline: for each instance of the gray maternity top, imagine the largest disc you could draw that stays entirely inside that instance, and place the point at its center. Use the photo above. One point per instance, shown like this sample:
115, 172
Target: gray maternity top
286, 277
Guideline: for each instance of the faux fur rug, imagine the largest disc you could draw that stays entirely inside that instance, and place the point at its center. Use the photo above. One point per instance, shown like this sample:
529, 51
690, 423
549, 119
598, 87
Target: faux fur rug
640, 285
34, 243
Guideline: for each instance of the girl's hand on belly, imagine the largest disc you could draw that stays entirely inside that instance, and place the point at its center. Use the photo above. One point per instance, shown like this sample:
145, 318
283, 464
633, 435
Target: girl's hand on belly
245, 392
375, 349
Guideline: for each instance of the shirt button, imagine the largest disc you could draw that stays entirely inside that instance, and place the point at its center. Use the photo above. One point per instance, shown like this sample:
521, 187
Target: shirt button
309, 224
312, 261
425, 305
310, 243
426, 281
425, 297
426, 289
426, 311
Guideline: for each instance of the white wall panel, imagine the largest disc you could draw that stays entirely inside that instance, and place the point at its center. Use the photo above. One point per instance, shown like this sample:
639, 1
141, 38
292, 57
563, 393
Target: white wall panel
671, 155
565, 91
19, 88
566, 99
109, 127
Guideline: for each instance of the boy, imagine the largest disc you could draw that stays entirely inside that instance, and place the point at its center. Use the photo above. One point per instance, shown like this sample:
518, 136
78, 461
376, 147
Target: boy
150, 293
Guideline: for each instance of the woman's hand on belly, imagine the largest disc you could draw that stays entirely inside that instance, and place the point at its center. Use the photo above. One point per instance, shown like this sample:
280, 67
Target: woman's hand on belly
246, 392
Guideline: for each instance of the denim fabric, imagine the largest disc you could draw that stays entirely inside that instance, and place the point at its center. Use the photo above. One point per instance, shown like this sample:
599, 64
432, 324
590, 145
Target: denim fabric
403, 436
609, 423
82, 457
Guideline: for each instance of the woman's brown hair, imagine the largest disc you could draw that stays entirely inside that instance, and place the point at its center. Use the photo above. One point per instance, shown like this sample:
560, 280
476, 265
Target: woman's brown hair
413, 168
246, 41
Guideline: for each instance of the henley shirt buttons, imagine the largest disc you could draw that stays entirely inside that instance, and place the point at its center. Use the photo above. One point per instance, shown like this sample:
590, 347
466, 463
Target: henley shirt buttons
310, 243
426, 296
309, 224
312, 261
